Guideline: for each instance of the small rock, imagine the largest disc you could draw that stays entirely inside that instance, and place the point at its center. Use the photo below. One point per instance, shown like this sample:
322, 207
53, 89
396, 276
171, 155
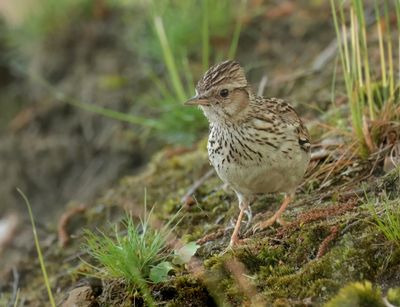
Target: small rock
84, 294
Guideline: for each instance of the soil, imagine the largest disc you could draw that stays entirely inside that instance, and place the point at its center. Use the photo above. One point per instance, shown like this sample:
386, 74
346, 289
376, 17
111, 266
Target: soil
65, 158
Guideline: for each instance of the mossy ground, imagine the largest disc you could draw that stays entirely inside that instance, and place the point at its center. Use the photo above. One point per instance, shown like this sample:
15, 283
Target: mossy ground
327, 244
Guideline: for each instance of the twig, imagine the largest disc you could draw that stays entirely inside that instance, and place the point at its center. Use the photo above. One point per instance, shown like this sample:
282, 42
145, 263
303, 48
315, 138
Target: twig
63, 235
346, 194
75, 256
337, 163
325, 243
367, 136
211, 237
319, 155
349, 225
378, 157
325, 56
387, 303
262, 85
318, 214
330, 51
198, 183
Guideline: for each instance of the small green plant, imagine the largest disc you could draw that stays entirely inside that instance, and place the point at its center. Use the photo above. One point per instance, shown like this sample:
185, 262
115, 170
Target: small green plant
133, 254
372, 95
386, 215
357, 294
39, 251
140, 255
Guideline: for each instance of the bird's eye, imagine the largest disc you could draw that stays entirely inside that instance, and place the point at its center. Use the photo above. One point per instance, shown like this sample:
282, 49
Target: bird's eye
224, 93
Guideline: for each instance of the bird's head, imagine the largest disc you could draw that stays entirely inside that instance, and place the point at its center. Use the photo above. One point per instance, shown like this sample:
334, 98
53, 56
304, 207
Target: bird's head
223, 93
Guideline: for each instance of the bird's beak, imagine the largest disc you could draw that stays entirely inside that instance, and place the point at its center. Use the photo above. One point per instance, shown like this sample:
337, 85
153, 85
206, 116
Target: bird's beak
197, 101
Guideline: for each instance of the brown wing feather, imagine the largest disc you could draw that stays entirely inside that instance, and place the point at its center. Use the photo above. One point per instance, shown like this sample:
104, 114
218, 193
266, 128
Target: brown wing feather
287, 115
290, 116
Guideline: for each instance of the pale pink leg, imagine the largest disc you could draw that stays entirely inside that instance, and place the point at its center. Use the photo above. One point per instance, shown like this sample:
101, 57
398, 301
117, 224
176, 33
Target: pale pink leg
276, 217
243, 206
235, 234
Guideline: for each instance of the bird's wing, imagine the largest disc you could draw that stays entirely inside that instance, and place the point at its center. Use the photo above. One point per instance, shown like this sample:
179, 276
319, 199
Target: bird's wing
272, 112
290, 117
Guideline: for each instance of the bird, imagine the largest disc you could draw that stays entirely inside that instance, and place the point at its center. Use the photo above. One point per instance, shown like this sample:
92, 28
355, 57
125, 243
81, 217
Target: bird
256, 145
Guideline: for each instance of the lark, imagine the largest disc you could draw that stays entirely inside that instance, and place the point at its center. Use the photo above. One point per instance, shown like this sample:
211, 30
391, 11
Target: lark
257, 145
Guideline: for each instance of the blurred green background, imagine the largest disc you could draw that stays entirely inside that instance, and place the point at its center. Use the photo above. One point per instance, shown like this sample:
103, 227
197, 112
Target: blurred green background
91, 88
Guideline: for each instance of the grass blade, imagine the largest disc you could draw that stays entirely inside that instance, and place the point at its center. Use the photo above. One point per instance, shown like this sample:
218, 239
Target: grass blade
205, 36
236, 32
38, 249
169, 58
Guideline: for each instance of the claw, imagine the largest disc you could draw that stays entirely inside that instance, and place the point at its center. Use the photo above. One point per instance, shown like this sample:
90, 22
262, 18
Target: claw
275, 218
265, 224
282, 221
233, 242
227, 249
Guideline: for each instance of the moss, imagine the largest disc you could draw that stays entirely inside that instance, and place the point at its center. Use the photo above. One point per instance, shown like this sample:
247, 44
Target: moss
283, 266
182, 290
390, 184
393, 296
357, 295
283, 276
116, 292
281, 263
220, 279
190, 292
167, 179
257, 260
303, 245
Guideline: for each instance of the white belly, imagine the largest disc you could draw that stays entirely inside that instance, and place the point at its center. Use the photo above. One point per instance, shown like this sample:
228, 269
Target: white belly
263, 169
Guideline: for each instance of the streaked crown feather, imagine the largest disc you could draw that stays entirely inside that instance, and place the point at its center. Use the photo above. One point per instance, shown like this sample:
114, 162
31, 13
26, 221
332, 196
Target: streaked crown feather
228, 72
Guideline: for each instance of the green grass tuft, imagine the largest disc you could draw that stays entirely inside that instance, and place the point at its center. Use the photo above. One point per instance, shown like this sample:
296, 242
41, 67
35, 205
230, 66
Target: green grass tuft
139, 255
386, 215
367, 104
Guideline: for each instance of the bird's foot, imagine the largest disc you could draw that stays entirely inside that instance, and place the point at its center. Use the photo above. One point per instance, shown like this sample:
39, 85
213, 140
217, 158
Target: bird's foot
265, 224
234, 241
275, 218
246, 224
281, 221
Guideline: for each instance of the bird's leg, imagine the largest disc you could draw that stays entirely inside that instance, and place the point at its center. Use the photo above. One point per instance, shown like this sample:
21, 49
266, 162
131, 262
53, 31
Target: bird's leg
276, 217
235, 235
249, 215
